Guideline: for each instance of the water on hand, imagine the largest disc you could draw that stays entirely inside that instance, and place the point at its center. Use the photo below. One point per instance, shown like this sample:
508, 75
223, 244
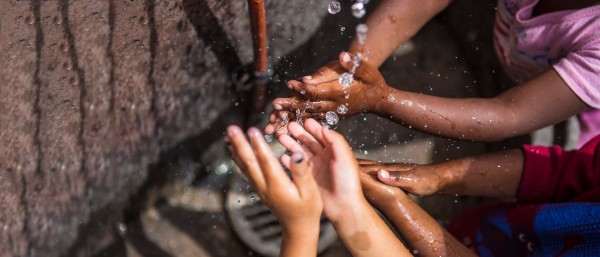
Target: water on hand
331, 118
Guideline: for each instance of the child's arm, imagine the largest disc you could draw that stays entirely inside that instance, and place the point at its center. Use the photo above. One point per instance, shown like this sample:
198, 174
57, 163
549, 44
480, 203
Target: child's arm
402, 17
540, 102
296, 204
391, 24
335, 169
493, 175
417, 227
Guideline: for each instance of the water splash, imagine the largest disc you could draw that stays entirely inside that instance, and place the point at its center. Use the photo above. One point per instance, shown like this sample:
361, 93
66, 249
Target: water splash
334, 7
346, 79
342, 109
331, 118
361, 33
358, 10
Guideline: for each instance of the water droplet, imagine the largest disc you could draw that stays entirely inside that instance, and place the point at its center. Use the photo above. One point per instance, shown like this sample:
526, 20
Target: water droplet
334, 7
303, 91
346, 79
342, 28
361, 33
122, 228
358, 10
252, 198
269, 138
347, 96
342, 109
331, 118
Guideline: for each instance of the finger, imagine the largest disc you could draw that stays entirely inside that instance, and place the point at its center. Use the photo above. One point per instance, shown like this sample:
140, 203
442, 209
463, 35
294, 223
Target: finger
280, 104
305, 138
339, 146
285, 160
305, 90
321, 106
365, 71
365, 161
330, 72
272, 171
291, 145
301, 175
245, 158
315, 129
397, 178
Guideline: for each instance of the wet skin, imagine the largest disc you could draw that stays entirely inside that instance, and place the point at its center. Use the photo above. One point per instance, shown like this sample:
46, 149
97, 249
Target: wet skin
492, 175
296, 203
518, 111
416, 226
324, 178
337, 173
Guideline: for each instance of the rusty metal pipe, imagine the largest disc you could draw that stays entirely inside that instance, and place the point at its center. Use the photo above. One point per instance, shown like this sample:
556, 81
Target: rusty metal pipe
259, 41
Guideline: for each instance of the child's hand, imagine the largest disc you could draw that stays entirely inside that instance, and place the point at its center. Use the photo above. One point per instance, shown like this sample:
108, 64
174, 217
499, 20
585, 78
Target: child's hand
376, 192
417, 179
295, 202
332, 163
363, 95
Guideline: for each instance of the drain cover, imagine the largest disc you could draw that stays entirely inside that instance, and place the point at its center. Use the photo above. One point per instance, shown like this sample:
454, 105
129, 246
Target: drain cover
256, 226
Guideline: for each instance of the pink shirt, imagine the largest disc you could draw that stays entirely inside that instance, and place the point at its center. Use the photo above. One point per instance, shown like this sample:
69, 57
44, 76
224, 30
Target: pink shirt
568, 41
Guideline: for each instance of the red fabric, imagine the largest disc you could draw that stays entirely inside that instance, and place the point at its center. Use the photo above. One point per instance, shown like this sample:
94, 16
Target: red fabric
551, 175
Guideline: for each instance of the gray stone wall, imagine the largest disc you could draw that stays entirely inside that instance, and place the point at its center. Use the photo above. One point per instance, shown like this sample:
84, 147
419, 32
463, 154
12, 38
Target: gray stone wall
91, 92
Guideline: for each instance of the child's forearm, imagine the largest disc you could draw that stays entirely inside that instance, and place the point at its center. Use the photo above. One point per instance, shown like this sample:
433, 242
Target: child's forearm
420, 230
300, 242
494, 175
392, 23
365, 234
542, 101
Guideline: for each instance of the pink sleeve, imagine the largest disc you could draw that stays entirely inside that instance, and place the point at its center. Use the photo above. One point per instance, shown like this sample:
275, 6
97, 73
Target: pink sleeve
580, 70
553, 175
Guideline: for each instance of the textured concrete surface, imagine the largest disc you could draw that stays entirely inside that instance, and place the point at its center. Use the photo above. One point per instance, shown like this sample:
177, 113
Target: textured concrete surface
93, 91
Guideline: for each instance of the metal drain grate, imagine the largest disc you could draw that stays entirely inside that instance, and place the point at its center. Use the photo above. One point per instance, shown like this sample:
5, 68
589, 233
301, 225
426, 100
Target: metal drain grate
256, 226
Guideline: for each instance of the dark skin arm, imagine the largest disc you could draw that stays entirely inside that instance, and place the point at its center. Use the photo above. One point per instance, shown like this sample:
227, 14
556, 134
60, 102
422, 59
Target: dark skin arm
491, 175
415, 225
542, 101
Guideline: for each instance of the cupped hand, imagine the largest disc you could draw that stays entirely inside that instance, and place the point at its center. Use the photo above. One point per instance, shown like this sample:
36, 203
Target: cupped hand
332, 163
295, 202
322, 92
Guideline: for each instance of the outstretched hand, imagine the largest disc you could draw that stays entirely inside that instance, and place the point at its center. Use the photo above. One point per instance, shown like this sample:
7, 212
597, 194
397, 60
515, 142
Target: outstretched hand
295, 202
322, 92
332, 163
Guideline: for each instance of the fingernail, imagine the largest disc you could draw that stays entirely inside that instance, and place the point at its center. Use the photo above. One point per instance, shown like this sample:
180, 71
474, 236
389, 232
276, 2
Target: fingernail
346, 57
253, 132
297, 157
307, 77
277, 107
384, 174
290, 86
